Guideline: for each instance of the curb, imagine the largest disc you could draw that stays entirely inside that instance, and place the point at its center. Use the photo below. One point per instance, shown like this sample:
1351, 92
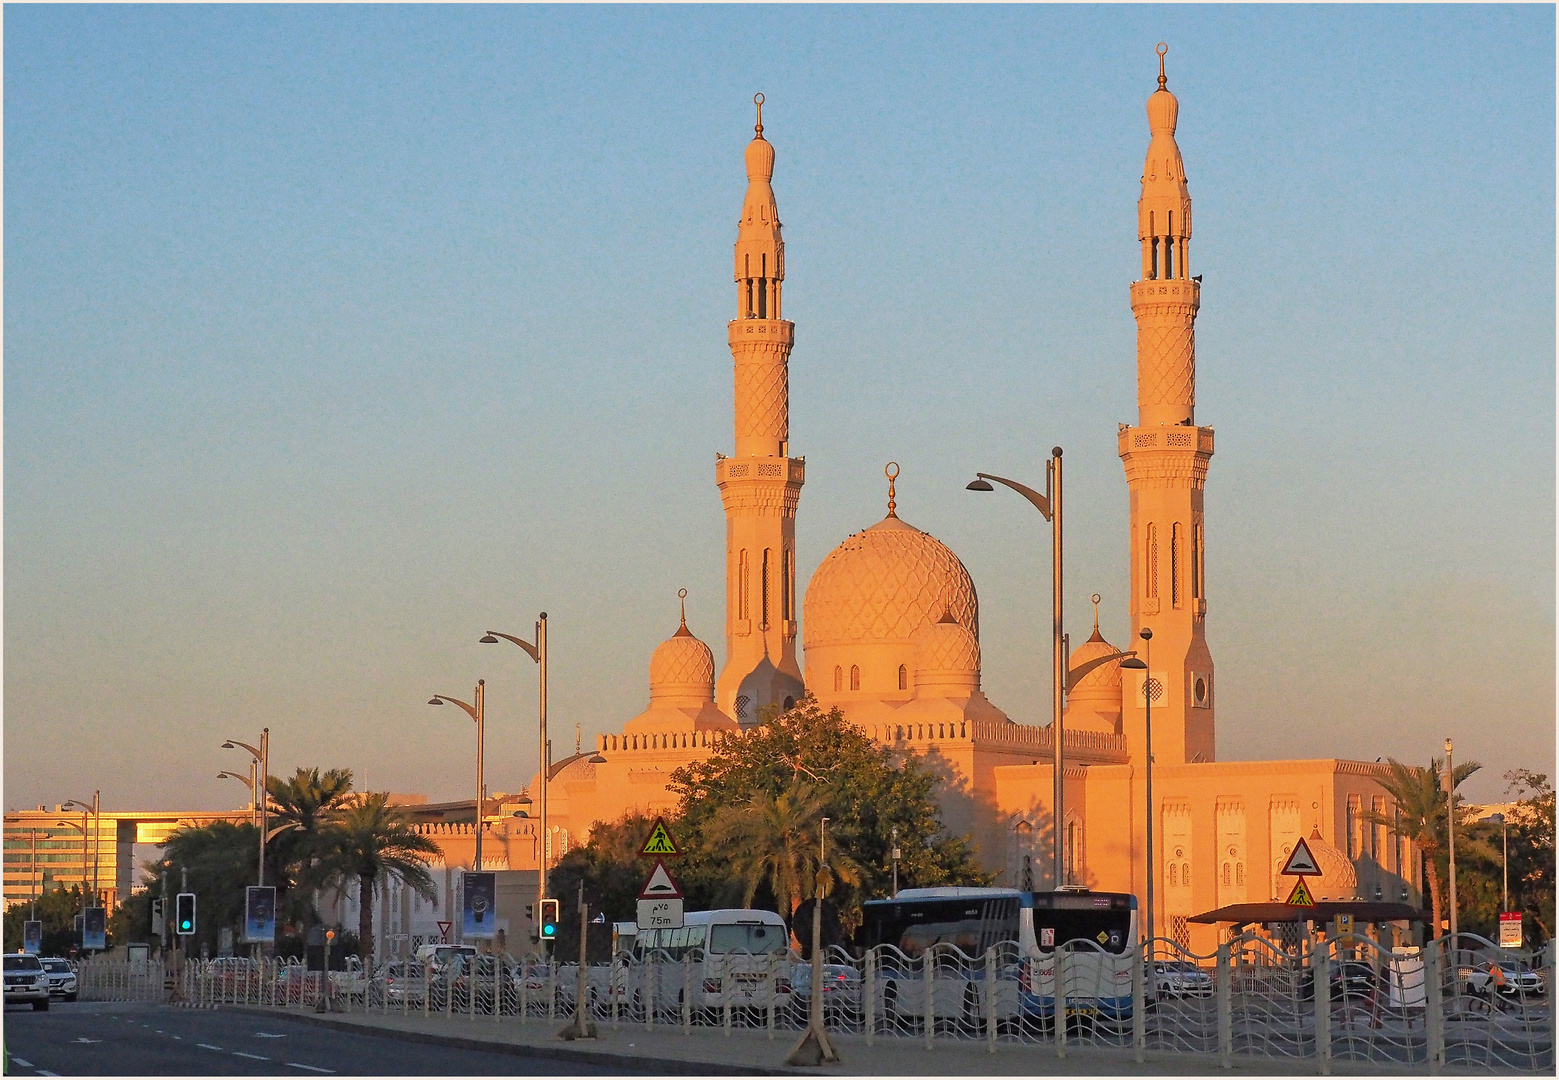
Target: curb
630, 1063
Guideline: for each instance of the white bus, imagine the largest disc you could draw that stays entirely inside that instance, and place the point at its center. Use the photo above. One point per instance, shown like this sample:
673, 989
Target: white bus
1099, 927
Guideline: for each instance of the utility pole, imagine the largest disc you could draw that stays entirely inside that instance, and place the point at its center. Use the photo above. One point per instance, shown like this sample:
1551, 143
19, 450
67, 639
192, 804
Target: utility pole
1450, 833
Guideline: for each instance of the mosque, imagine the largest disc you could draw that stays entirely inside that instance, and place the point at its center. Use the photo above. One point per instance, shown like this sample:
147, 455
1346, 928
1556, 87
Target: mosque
892, 639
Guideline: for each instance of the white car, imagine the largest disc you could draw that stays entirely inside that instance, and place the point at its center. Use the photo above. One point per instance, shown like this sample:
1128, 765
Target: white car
26, 981
1517, 980
61, 976
1180, 978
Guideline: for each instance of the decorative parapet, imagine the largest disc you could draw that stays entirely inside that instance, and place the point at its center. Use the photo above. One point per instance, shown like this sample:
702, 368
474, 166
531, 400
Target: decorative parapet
660, 741
995, 735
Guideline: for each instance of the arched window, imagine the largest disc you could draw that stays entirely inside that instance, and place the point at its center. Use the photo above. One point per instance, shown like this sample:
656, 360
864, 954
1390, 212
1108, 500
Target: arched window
1071, 849
1239, 874
1150, 556
1174, 876
1228, 875
838, 678
1174, 564
788, 585
1185, 874
765, 601
741, 586
855, 677
1196, 562
903, 677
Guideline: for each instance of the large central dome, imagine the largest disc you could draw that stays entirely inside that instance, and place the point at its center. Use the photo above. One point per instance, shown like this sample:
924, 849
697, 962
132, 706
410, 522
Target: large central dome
885, 583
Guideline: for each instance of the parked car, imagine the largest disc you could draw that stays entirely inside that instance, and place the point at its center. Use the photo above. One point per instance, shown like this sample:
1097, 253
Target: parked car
1349, 979
403, 984
61, 976
1181, 978
1515, 980
842, 986
26, 981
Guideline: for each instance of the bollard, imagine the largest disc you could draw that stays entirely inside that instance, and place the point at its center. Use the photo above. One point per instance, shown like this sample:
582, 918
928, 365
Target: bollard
869, 996
1321, 970
1433, 1016
1139, 1006
990, 1000
1223, 990
929, 968
1060, 1000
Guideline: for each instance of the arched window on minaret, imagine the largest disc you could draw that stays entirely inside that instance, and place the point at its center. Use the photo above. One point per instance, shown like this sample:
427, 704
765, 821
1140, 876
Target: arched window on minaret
1152, 249
903, 677
787, 571
765, 588
1150, 558
855, 677
1174, 564
763, 288
1169, 245
1174, 876
741, 590
838, 678
1196, 561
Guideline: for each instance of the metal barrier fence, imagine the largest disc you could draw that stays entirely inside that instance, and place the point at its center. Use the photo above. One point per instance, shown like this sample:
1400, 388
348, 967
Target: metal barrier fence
116, 980
1354, 1001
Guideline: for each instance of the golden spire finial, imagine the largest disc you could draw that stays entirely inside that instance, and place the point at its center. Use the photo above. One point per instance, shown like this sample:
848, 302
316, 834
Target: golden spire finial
682, 596
1163, 83
1095, 598
891, 471
757, 99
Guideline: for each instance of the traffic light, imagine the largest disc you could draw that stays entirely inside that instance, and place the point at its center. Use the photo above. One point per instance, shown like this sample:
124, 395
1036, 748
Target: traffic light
184, 913
157, 916
549, 920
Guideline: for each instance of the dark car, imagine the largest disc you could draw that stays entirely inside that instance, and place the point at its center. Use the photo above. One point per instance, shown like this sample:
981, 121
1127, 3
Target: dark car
1349, 979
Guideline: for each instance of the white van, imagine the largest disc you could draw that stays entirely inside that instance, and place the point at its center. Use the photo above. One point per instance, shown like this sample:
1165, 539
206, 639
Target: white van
729, 955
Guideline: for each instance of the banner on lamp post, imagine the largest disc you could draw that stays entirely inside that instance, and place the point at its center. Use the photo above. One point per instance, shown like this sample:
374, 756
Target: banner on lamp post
1510, 930
94, 929
32, 936
260, 914
479, 914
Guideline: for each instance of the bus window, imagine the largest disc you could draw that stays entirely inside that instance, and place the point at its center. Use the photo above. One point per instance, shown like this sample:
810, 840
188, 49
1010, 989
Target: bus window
1102, 919
971, 924
695, 936
747, 937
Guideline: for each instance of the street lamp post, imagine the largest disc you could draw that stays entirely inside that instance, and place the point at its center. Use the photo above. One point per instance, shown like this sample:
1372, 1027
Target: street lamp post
1145, 666
538, 653
83, 828
895, 854
1049, 506
262, 760
34, 872
1450, 832
97, 837
476, 713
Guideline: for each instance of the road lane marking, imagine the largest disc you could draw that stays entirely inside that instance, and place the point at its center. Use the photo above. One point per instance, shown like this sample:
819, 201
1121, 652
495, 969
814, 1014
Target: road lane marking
46, 1072
207, 1046
23, 1062
310, 1068
267, 1035
251, 1057
84, 1039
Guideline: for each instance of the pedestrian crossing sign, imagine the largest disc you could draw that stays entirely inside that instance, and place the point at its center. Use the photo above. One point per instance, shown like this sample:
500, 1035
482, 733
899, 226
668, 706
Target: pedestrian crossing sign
660, 841
1300, 897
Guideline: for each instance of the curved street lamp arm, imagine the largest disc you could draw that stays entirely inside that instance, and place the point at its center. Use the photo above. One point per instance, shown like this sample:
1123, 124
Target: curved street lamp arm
236, 776
470, 709
1041, 503
77, 802
79, 828
281, 829
256, 753
1075, 676
530, 650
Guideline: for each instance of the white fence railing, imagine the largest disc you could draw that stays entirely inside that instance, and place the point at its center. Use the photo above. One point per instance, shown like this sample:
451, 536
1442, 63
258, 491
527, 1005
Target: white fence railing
1481, 1009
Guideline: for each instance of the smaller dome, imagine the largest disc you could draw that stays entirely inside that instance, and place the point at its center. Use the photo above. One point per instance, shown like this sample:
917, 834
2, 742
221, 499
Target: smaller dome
1103, 683
760, 160
947, 657
682, 667
1338, 880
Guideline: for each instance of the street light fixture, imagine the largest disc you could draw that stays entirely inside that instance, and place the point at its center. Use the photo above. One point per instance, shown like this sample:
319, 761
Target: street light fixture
1144, 666
97, 838
538, 653
248, 782
262, 761
1049, 507
476, 713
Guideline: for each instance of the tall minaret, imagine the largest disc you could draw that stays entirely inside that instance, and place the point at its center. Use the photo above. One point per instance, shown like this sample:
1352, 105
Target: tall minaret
1166, 457
761, 484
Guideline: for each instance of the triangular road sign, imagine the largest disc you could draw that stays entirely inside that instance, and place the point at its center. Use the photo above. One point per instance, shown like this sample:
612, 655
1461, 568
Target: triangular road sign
1301, 863
660, 886
660, 841
1300, 897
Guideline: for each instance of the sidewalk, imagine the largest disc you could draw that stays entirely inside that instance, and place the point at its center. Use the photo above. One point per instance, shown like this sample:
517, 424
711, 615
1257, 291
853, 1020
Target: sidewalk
709, 1052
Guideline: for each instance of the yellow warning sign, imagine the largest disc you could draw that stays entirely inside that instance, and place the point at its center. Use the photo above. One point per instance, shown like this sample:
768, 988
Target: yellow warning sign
660, 841
1300, 897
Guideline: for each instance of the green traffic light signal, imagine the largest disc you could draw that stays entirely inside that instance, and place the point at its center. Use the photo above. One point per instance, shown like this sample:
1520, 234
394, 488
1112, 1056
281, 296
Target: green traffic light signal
549, 920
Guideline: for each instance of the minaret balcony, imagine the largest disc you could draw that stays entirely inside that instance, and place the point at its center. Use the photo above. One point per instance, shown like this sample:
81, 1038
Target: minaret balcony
780, 331
1176, 292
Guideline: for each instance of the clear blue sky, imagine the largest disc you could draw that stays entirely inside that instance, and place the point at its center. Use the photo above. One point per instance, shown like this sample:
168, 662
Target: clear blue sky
337, 335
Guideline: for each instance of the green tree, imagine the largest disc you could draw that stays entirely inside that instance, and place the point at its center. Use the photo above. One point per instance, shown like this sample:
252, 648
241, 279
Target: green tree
774, 841
613, 872
300, 809
868, 790
366, 839
57, 909
1419, 794
221, 861
1531, 825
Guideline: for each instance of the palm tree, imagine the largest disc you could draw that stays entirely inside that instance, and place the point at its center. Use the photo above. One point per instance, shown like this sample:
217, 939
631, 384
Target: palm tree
1419, 794
776, 840
369, 839
300, 809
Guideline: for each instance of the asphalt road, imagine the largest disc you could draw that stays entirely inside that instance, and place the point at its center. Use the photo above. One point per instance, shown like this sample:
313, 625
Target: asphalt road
124, 1039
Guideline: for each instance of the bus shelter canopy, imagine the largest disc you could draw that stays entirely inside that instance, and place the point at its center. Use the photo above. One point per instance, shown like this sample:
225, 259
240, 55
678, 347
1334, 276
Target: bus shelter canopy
1364, 911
